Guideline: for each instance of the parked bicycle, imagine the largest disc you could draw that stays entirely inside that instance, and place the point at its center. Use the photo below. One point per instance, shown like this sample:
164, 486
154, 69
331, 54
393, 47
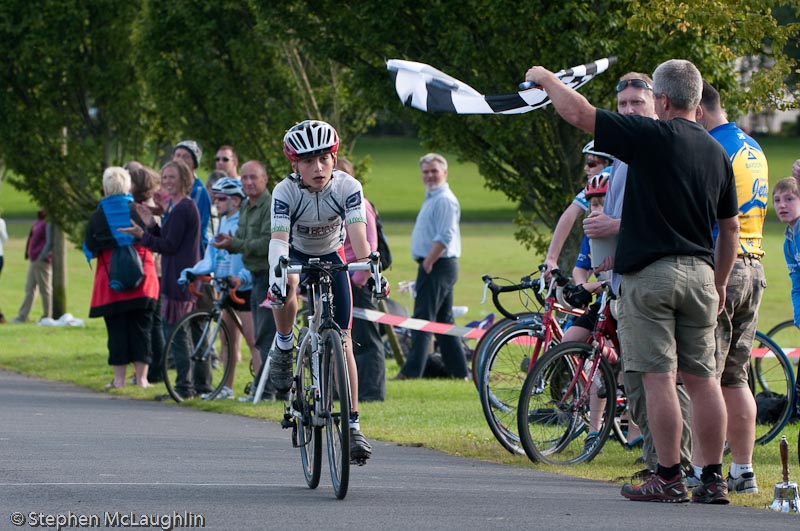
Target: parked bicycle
320, 395
205, 332
508, 357
572, 391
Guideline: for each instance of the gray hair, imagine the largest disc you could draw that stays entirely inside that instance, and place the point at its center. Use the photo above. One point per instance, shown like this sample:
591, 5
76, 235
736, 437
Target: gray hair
433, 157
215, 176
116, 180
681, 81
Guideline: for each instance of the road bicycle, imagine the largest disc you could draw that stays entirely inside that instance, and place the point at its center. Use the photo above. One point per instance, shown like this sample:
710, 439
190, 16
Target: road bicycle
320, 394
506, 358
572, 390
189, 347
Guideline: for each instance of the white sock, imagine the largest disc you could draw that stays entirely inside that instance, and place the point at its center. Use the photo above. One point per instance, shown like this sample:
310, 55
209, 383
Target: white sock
737, 470
285, 342
698, 471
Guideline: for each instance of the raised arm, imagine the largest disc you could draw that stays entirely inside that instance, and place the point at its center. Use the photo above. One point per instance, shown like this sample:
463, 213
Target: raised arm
572, 107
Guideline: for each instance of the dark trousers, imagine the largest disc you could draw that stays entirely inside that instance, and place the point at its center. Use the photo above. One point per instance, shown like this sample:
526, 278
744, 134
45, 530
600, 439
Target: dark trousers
434, 302
129, 337
368, 350
155, 373
191, 377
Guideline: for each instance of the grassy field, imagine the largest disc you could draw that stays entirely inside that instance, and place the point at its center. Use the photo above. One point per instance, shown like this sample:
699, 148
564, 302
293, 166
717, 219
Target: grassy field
437, 414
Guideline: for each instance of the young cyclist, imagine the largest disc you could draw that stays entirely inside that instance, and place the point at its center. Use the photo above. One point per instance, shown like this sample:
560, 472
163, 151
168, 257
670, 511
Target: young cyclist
786, 199
227, 195
311, 211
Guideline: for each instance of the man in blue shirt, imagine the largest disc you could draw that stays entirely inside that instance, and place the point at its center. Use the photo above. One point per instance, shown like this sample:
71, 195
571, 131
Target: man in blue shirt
435, 246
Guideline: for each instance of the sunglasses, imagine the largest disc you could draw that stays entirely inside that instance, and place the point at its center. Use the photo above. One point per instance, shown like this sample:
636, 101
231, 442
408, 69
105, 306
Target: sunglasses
635, 83
591, 163
220, 198
222, 159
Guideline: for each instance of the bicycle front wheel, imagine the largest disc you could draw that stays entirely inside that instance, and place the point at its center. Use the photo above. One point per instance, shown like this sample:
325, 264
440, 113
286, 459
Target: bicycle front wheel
564, 417
502, 374
336, 405
772, 382
309, 435
198, 357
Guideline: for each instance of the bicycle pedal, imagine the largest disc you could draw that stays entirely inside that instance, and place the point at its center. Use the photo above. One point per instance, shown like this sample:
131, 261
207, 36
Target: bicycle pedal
288, 422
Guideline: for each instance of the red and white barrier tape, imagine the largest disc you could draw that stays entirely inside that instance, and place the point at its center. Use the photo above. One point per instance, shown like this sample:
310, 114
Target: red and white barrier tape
418, 324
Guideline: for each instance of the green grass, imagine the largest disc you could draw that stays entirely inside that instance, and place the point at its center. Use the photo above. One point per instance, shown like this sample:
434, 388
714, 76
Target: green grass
436, 414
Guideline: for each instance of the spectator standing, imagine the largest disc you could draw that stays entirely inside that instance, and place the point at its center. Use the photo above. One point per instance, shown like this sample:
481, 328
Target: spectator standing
211, 180
191, 154
681, 181
596, 162
786, 199
227, 160
38, 250
370, 356
228, 197
3, 239
436, 247
145, 184
251, 240
736, 325
128, 315
635, 97
177, 240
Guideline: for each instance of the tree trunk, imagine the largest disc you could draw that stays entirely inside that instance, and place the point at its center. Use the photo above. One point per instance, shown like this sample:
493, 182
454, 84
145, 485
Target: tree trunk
59, 272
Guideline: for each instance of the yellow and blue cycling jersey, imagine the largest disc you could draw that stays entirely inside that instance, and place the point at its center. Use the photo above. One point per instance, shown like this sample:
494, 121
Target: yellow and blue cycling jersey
752, 185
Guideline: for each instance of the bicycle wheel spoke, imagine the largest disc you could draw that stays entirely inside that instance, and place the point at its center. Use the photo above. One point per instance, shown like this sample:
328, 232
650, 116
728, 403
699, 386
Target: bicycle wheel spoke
773, 385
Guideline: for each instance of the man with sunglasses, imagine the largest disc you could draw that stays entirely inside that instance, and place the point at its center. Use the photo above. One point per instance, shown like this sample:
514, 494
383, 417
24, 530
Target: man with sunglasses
674, 278
226, 160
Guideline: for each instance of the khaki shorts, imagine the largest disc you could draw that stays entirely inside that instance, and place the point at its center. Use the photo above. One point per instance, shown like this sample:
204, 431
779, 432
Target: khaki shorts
667, 317
736, 325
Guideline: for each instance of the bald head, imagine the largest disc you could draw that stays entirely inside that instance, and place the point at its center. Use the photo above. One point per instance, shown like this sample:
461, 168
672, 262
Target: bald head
254, 179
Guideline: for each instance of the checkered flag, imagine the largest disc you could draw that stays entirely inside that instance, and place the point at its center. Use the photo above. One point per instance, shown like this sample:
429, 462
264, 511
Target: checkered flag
425, 88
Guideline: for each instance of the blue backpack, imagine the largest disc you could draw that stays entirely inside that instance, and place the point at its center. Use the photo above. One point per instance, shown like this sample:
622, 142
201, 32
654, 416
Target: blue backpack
126, 271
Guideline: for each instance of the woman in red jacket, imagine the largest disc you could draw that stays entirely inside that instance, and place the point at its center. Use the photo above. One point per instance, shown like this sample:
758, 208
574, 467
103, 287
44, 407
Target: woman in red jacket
128, 314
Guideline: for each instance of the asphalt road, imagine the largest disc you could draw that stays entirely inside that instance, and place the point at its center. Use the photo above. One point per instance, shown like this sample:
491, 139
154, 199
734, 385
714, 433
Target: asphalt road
75, 453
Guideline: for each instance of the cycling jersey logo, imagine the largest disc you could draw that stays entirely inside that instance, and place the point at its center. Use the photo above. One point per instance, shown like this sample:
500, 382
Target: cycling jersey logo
280, 208
353, 201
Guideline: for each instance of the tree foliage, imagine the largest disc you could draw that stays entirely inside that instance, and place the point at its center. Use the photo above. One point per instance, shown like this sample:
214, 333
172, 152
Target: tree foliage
109, 80
70, 102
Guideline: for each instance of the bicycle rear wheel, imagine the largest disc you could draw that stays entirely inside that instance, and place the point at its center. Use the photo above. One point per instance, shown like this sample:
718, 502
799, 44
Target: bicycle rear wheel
198, 356
336, 404
486, 340
773, 384
503, 372
559, 402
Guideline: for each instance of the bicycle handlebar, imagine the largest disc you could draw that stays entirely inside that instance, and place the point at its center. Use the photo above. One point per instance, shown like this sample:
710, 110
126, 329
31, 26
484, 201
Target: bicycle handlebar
232, 285
316, 265
488, 284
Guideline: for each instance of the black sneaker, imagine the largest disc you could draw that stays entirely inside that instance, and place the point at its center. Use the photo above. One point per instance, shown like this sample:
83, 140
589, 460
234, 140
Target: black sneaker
713, 491
280, 371
655, 488
360, 449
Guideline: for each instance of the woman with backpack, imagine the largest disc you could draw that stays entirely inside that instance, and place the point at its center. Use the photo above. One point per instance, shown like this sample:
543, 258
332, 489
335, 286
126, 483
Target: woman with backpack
125, 298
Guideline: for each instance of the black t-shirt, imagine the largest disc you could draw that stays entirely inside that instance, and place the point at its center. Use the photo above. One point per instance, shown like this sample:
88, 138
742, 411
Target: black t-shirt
680, 182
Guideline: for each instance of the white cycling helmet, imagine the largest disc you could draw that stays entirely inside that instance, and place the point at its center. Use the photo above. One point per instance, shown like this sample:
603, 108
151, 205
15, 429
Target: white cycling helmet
588, 149
228, 186
309, 139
